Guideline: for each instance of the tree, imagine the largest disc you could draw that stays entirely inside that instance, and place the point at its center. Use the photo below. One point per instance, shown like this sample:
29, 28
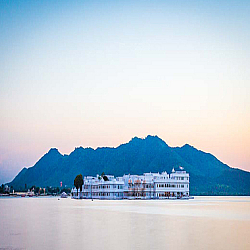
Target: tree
105, 178
2, 189
37, 190
78, 182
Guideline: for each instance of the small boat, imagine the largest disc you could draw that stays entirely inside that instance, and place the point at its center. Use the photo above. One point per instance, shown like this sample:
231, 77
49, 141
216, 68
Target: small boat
64, 195
23, 195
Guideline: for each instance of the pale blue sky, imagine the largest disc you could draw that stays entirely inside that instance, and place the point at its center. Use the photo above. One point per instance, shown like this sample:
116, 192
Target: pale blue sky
97, 73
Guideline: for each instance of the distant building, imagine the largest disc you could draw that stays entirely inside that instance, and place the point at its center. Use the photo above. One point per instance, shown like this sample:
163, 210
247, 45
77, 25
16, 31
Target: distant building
146, 186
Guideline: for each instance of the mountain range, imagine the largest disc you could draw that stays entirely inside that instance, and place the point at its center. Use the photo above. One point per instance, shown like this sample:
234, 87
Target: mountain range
208, 175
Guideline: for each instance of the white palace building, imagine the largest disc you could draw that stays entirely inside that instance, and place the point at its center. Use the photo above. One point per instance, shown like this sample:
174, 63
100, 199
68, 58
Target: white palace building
146, 186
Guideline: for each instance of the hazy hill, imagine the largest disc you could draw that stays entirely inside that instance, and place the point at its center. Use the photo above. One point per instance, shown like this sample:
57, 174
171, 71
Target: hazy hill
152, 154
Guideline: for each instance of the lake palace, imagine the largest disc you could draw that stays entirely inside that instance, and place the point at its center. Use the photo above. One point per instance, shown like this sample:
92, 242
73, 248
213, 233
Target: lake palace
146, 186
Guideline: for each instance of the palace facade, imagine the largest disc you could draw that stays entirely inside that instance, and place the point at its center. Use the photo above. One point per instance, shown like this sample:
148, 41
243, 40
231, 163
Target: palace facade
146, 186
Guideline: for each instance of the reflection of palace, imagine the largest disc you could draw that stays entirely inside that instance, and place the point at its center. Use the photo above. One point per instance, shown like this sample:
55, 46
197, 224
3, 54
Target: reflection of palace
146, 186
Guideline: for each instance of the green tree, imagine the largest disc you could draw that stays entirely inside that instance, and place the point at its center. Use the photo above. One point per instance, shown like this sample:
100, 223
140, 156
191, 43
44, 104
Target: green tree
37, 189
1, 189
78, 182
105, 178
66, 190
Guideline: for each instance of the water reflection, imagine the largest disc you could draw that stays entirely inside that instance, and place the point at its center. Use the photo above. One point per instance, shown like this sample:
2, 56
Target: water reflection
49, 223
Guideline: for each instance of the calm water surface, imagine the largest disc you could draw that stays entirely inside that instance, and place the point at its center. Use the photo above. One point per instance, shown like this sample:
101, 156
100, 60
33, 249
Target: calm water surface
49, 223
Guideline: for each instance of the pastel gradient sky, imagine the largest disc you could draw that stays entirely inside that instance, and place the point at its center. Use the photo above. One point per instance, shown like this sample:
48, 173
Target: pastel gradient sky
97, 73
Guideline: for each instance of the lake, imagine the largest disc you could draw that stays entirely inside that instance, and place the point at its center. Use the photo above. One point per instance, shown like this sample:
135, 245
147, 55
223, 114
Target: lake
49, 223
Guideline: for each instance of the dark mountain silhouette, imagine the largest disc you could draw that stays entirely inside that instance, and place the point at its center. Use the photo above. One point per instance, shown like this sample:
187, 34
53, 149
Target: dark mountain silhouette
208, 175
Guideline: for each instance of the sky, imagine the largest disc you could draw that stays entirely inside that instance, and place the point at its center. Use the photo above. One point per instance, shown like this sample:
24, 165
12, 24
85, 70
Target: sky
97, 73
